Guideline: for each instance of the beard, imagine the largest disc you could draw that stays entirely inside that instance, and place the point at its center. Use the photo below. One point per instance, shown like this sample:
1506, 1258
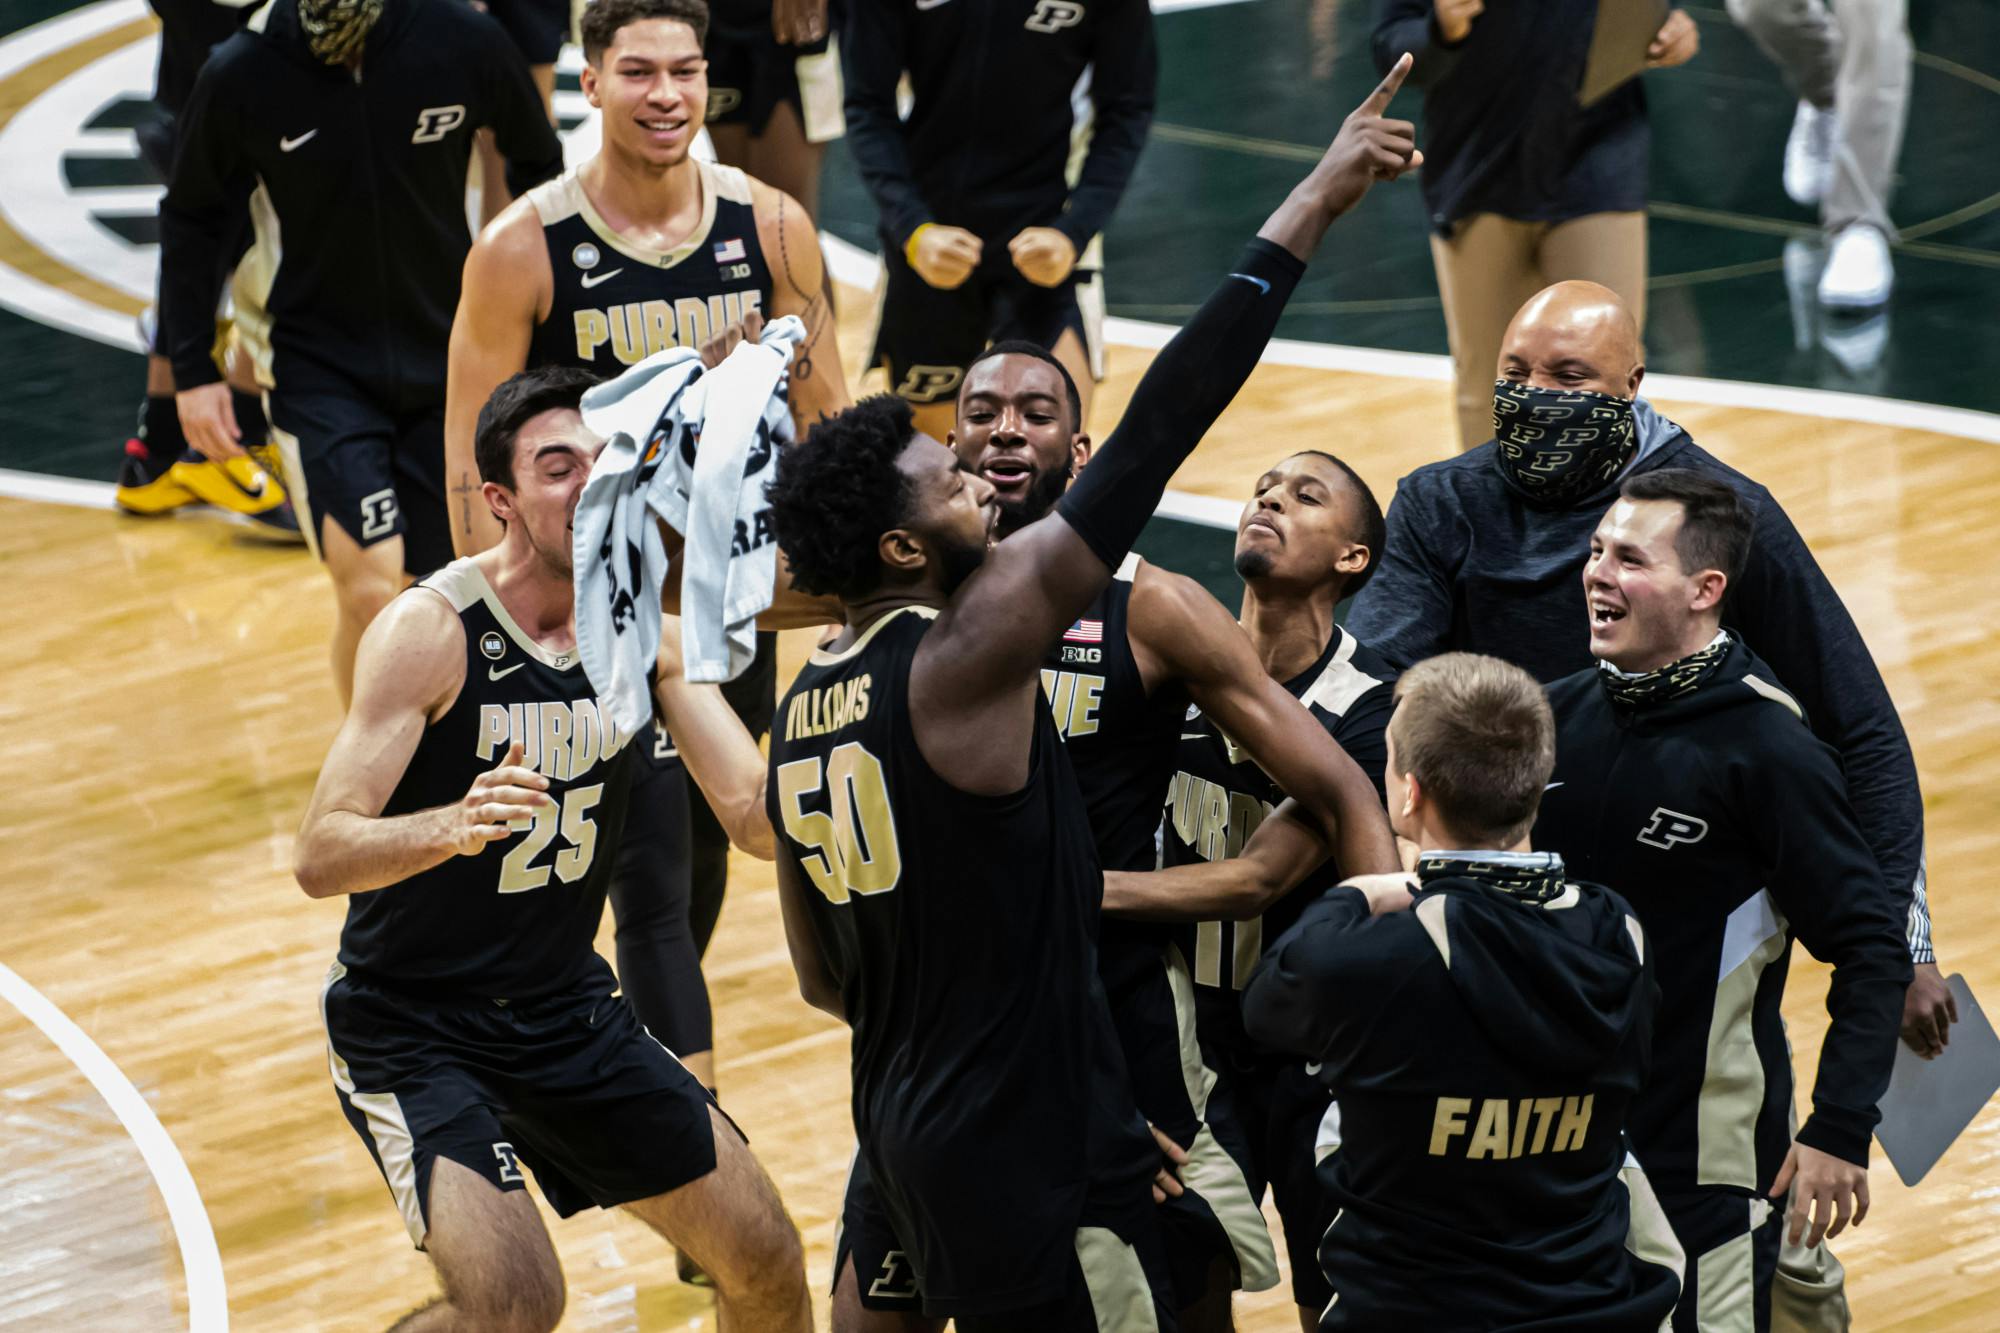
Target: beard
1253, 564
1043, 492
957, 563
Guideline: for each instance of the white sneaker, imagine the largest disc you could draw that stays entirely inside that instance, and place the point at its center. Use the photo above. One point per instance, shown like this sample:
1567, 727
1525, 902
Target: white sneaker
1809, 154
1858, 270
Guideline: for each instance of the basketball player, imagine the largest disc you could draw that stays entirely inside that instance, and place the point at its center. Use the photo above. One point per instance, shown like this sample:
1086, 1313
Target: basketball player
983, 235
981, 1034
641, 248
347, 132
469, 805
1120, 684
1685, 775
1311, 534
1485, 1025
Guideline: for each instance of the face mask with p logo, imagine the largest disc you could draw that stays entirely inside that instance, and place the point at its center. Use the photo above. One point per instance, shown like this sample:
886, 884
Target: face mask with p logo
1556, 446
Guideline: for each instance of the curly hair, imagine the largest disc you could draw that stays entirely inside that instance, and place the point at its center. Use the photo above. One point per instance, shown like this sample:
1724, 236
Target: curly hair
837, 491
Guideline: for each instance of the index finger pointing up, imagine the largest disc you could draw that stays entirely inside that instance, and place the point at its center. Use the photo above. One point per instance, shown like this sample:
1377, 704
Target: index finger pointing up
1378, 101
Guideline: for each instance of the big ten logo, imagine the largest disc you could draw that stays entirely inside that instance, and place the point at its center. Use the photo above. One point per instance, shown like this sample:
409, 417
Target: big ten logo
434, 122
1055, 15
1072, 654
927, 384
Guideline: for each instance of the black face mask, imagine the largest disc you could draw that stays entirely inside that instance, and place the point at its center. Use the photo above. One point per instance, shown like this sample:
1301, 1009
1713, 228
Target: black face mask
1558, 445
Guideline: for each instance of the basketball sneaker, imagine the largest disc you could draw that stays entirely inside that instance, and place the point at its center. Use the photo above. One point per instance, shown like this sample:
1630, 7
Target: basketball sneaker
144, 488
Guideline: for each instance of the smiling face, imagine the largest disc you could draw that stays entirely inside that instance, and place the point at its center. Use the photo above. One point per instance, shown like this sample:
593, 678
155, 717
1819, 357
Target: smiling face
1645, 609
1014, 431
953, 517
652, 85
553, 454
1299, 528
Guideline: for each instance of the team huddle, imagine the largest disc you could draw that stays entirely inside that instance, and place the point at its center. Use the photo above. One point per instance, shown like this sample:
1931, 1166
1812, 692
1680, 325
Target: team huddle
1460, 927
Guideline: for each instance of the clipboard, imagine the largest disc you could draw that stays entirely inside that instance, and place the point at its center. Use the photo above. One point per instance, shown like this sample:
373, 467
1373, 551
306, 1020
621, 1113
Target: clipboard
1618, 42
1930, 1102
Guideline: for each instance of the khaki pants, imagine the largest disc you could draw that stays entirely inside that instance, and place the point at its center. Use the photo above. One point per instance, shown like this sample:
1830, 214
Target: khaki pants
1489, 267
1853, 56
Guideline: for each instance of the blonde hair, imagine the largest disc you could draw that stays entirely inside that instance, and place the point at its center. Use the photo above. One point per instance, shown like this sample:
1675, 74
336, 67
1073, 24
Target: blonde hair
1479, 736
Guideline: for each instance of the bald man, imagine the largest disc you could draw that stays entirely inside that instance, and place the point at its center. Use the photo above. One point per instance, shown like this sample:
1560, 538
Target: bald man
1485, 554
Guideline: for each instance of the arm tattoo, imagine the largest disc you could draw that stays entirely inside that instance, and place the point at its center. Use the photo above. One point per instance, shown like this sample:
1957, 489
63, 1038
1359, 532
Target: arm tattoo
465, 490
819, 307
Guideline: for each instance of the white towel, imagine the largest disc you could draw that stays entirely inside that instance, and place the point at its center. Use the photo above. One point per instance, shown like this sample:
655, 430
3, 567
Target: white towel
713, 495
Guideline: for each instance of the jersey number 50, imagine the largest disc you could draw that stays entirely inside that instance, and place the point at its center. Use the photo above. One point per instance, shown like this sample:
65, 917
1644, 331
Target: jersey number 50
853, 849
573, 862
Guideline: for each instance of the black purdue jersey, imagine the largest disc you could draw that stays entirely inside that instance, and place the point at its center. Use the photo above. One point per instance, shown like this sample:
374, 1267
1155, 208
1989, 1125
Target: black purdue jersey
519, 918
1483, 1047
616, 302
1121, 746
1219, 797
989, 1097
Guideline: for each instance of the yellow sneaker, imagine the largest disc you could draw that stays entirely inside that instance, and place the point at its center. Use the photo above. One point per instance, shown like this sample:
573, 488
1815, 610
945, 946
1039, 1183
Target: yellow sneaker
238, 485
141, 491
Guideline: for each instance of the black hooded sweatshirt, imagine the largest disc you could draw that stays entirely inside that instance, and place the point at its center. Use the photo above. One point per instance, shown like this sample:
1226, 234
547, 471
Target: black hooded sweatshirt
1483, 1049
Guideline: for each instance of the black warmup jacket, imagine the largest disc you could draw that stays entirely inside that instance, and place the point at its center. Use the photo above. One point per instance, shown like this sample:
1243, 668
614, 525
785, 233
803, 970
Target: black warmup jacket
989, 133
1726, 825
1483, 1050
358, 182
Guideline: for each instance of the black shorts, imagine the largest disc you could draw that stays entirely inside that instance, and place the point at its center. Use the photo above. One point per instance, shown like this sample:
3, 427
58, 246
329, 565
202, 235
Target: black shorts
749, 74
1216, 1217
926, 337
1119, 1277
1731, 1239
567, 1085
538, 27
1275, 1120
376, 473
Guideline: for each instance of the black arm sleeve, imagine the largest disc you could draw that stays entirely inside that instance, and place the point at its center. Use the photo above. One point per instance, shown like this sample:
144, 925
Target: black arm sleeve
1184, 390
1826, 883
1406, 25
1795, 621
872, 54
514, 112
209, 188
1124, 70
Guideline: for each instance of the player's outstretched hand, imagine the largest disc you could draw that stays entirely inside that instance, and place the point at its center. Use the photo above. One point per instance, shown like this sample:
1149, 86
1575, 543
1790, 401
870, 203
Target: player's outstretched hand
208, 419
944, 256
1167, 1180
1369, 148
497, 798
1043, 255
717, 349
1827, 1194
1928, 1012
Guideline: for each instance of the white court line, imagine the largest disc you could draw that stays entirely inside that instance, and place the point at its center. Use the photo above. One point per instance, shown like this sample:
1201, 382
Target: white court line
207, 1297
16, 485
856, 267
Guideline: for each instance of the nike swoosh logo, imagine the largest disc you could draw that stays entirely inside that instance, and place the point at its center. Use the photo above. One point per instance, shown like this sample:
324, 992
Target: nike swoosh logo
1552, 786
932, 4
287, 145
590, 280
494, 673
1262, 286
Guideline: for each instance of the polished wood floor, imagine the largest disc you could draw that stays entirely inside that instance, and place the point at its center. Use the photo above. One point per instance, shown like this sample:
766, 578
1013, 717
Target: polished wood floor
164, 705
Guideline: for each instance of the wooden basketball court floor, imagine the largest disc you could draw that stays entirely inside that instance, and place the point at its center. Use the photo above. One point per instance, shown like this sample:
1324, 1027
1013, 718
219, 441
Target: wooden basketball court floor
164, 706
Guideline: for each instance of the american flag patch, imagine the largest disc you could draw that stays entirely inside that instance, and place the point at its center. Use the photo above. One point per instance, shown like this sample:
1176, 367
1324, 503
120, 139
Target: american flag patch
1085, 631
730, 251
